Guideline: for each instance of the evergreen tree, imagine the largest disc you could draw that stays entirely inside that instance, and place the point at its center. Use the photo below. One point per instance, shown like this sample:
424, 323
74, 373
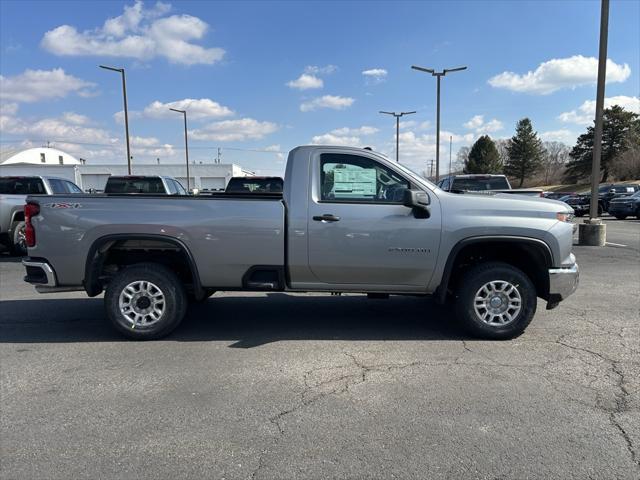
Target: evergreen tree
483, 157
618, 126
525, 152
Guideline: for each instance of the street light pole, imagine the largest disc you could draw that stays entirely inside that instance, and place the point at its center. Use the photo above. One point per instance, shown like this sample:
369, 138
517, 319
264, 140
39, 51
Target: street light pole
438, 75
126, 113
597, 134
186, 145
397, 115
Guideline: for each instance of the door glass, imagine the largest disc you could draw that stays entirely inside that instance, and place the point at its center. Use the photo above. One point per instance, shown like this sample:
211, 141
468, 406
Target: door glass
171, 186
57, 186
352, 178
73, 188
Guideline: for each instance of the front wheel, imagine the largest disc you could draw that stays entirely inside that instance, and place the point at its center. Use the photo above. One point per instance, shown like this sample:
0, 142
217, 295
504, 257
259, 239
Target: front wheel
495, 301
145, 301
621, 217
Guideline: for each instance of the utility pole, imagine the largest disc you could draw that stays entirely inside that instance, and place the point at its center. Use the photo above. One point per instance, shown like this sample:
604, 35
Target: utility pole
450, 148
431, 169
593, 231
218, 159
438, 76
126, 113
397, 115
186, 144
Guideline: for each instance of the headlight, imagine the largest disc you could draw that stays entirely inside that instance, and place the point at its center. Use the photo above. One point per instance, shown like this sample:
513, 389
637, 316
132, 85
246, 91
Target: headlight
564, 216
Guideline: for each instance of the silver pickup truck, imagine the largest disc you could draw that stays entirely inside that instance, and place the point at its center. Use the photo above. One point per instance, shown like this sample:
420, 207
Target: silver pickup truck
348, 220
13, 193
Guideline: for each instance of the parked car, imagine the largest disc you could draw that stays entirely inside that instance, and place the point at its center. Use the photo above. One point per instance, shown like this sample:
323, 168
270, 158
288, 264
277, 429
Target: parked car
144, 184
484, 183
581, 204
625, 206
340, 225
13, 193
607, 192
255, 185
557, 195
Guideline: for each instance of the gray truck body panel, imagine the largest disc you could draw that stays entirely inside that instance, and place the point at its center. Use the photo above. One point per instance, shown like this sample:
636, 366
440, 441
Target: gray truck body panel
372, 248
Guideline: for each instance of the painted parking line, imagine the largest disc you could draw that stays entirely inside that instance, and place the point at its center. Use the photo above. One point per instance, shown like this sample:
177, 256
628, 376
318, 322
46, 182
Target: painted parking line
615, 244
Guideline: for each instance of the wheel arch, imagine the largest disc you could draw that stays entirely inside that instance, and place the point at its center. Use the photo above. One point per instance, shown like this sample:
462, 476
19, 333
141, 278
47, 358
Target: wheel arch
531, 255
98, 253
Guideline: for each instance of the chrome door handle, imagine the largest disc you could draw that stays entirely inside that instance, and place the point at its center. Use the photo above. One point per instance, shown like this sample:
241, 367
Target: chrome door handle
327, 217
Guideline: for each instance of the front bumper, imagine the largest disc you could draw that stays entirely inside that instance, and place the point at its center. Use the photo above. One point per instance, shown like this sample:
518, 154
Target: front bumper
562, 283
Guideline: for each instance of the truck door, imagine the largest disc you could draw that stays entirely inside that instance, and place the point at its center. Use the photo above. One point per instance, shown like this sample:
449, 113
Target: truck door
360, 233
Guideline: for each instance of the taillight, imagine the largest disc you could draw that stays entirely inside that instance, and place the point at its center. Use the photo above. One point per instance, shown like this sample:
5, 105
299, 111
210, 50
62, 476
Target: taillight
30, 210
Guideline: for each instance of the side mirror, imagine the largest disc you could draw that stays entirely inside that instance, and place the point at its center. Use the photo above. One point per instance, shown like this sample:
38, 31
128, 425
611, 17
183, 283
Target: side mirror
418, 201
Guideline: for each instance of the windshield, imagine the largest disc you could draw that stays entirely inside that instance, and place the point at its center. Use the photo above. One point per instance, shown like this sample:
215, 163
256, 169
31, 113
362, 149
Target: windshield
480, 184
21, 186
134, 185
255, 185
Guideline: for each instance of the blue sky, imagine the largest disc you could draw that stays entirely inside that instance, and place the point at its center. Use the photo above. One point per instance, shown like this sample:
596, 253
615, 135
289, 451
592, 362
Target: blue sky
269, 76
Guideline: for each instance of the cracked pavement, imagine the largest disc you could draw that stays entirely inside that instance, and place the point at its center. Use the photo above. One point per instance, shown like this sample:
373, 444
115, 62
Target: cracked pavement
297, 386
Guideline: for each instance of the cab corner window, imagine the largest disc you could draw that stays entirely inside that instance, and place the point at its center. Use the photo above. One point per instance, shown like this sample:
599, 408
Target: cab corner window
352, 178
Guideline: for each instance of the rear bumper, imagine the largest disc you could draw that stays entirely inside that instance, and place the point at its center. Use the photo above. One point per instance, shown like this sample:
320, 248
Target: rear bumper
562, 283
39, 272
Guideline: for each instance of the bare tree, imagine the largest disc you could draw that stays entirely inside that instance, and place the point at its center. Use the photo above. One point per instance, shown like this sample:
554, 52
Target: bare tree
554, 160
503, 149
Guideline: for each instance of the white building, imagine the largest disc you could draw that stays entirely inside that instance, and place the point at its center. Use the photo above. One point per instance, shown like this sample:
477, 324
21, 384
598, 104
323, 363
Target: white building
94, 176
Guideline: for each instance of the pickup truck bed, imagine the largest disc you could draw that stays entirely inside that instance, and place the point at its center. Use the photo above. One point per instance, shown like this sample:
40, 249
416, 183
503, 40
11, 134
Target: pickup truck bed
348, 220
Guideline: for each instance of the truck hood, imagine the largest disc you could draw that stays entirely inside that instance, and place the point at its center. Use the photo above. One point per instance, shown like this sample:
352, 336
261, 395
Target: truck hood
508, 204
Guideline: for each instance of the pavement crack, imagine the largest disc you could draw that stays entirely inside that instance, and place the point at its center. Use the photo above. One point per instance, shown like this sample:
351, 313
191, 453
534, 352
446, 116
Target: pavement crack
621, 396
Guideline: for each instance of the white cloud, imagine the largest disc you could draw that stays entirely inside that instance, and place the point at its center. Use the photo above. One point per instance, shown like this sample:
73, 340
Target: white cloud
56, 129
478, 125
375, 75
585, 114
196, 109
316, 70
344, 136
76, 119
560, 73
35, 85
563, 135
327, 101
138, 33
306, 82
234, 130
8, 108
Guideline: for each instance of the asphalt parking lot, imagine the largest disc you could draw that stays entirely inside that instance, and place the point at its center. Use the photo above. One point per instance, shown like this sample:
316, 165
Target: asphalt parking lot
297, 386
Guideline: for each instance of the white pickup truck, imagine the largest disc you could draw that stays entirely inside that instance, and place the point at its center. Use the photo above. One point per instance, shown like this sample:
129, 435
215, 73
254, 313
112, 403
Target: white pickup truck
348, 220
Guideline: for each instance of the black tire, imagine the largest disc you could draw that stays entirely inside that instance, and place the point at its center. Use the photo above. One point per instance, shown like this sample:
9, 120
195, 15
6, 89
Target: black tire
18, 241
470, 285
173, 306
579, 214
620, 217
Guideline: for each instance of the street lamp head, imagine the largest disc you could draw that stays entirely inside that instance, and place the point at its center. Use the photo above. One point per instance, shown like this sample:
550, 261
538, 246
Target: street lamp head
112, 68
176, 110
456, 69
407, 113
387, 113
422, 69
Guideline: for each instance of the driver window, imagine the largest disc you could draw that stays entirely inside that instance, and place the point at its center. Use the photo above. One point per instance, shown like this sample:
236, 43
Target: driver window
351, 178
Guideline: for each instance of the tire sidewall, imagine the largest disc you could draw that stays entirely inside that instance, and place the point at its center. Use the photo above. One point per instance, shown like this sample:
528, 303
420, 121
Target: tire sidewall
166, 281
483, 274
17, 247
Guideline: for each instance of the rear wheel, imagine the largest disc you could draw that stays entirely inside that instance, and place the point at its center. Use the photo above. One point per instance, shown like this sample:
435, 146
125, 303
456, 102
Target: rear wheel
495, 301
145, 301
18, 239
